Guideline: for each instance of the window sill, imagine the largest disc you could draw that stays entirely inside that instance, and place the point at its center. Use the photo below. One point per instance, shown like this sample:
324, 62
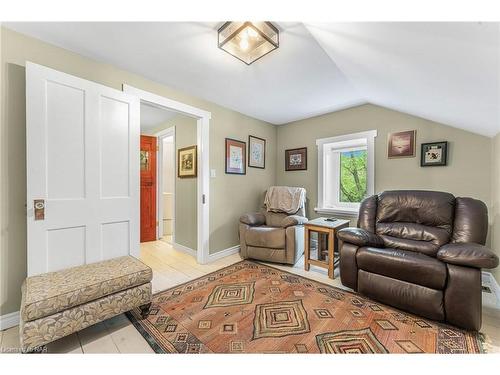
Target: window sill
350, 212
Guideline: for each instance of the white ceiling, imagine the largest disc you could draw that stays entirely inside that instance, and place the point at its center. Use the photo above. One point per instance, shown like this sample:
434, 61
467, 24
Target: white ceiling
152, 117
446, 72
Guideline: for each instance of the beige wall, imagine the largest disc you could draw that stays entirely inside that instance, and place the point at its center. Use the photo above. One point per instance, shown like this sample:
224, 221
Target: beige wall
495, 199
186, 226
467, 173
225, 190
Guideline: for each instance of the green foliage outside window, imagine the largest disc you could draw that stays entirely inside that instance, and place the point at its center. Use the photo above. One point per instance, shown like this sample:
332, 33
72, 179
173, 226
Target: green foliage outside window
353, 176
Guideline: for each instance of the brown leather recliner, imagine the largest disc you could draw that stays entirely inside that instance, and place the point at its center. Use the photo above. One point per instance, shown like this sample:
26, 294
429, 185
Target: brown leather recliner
420, 251
272, 237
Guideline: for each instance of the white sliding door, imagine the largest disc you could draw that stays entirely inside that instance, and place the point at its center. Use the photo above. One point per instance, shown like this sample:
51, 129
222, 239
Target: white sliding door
82, 171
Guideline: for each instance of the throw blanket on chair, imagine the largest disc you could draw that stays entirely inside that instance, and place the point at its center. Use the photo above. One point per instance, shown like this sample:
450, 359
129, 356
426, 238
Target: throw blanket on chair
285, 199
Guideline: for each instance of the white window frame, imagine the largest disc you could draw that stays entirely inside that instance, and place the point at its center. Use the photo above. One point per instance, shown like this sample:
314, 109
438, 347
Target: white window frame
323, 144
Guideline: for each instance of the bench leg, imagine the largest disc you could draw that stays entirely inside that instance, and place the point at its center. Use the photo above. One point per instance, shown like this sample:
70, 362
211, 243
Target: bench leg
145, 310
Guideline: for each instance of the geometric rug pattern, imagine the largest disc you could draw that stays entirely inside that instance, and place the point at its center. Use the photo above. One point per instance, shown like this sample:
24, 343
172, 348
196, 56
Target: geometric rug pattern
231, 295
249, 307
350, 342
278, 319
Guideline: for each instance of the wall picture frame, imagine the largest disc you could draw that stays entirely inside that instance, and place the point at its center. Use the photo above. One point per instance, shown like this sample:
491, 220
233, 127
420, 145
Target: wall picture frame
187, 162
256, 152
236, 155
296, 159
401, 144
434, 154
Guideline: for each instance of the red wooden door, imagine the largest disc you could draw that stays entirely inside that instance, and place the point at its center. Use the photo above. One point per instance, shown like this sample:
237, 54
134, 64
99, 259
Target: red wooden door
148, 188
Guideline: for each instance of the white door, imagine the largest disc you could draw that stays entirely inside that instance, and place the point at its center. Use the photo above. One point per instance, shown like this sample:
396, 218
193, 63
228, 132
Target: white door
82, 171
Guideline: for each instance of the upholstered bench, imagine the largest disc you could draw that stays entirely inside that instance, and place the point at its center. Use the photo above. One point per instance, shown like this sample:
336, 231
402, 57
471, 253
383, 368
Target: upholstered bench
57, 304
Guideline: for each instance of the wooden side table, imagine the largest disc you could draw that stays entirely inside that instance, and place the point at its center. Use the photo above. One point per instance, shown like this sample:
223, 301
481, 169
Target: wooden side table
323, 228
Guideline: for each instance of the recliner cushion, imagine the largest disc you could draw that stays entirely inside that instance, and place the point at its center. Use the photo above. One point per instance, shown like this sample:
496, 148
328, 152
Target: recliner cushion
274, 219
419, 246
265, 236
420, 221
417, 299
432, 208
403, 265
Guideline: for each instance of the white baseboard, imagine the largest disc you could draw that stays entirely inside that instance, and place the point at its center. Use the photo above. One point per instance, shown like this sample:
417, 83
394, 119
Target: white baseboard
184, 249
9, 320
223, 253
488, 276
489, 280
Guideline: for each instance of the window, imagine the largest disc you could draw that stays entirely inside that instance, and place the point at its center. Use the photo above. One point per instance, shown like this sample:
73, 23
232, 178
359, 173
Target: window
345, 172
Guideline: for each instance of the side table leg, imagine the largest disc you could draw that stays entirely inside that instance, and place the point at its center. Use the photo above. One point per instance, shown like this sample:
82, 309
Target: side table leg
306, 249
331, 254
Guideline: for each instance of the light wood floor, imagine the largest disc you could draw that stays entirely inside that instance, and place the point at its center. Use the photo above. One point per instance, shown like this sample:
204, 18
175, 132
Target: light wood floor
172, 267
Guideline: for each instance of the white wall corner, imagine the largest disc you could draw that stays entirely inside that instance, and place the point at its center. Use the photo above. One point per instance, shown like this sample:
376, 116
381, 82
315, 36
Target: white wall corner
9, 320
184, 249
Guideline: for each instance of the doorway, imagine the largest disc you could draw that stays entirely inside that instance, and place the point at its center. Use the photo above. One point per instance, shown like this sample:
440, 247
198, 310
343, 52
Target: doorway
168, 194
190, 207
202, 203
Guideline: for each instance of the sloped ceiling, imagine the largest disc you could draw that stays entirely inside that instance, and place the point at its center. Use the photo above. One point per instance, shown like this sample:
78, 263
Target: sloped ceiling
446, 72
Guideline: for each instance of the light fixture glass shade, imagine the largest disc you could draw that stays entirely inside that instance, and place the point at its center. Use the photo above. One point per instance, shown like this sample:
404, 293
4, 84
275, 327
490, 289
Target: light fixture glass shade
248, 41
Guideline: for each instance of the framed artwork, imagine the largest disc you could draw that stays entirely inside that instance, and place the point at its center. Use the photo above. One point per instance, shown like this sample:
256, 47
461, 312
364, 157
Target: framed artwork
434, 154
186, 162
296, 159
401, 144
256, 152
235, 156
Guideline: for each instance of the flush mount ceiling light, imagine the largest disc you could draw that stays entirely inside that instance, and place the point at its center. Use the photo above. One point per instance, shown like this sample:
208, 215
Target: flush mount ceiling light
248, 41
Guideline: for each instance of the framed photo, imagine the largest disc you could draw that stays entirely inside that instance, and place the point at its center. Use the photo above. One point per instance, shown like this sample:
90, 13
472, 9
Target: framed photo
236, 152
256, 152
296, 159
401, 144
186, 162
434, 154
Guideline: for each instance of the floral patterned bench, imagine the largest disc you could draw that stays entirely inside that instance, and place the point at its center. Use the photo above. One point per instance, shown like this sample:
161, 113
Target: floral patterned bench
57, 304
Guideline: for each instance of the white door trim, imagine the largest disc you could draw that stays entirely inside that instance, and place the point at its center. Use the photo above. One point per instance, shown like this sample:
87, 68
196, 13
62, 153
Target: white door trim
203, 197
169, 132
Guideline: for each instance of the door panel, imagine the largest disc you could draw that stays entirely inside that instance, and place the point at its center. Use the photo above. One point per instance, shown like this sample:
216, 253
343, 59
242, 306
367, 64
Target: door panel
82, 141
148, 188
115, 140
57, 247
65, 142
115, 242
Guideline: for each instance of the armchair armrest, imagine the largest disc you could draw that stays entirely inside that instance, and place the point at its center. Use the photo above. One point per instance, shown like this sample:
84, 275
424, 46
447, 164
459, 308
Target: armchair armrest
293, 220
468, 254
360, 237
253, 219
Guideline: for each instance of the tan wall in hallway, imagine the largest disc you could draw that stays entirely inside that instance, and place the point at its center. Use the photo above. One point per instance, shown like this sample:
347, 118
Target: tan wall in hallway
467, 173
186, 225
495, 200
225, 190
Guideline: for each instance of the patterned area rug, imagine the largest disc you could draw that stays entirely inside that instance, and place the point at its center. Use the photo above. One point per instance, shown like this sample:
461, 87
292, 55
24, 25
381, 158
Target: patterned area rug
252, 308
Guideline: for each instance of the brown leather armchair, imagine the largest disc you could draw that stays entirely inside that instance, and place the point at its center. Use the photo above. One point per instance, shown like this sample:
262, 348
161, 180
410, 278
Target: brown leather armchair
420, 251
273, 237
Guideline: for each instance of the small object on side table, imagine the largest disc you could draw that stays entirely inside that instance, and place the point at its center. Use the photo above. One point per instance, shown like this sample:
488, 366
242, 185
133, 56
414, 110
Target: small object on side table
328, 228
